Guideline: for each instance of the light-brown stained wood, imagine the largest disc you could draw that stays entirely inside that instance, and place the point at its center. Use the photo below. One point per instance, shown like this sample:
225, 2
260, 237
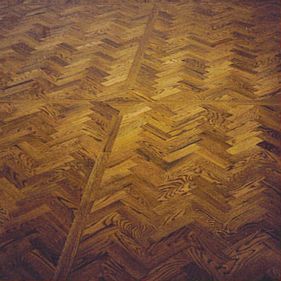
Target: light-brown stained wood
140, 140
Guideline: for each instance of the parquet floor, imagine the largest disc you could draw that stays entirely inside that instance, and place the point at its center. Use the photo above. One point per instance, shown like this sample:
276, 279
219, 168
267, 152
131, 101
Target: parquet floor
140, 140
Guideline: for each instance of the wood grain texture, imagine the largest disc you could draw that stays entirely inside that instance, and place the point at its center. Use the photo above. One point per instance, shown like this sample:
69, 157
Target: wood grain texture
140, 140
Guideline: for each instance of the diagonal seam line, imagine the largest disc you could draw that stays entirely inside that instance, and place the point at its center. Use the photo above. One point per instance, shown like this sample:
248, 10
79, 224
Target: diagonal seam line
93, 183
73, 239
140, 51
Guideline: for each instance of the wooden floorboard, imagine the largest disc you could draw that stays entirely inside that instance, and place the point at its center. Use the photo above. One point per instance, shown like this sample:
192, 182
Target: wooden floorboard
140, 140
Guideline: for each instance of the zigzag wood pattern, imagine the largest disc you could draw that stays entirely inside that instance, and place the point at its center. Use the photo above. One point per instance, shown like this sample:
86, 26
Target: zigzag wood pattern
140, 140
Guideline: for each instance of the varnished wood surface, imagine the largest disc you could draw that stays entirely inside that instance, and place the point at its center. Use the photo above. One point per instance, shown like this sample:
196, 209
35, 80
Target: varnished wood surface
140, 140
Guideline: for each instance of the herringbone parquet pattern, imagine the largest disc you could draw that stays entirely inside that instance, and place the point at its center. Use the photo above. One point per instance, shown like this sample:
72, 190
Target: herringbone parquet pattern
140, 140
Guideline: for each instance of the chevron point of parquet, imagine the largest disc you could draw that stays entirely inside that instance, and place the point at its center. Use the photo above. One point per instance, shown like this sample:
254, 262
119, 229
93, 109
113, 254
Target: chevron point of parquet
140, 140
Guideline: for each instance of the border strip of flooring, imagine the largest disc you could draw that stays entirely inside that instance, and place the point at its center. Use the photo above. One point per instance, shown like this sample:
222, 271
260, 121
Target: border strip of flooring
94, 180
141, 48
73, 239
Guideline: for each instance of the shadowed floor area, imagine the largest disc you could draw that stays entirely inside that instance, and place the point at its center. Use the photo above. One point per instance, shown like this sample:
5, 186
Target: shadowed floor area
140, 140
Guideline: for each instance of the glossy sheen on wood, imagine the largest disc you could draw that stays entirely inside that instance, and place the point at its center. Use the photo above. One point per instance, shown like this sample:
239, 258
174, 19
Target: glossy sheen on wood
140, 140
